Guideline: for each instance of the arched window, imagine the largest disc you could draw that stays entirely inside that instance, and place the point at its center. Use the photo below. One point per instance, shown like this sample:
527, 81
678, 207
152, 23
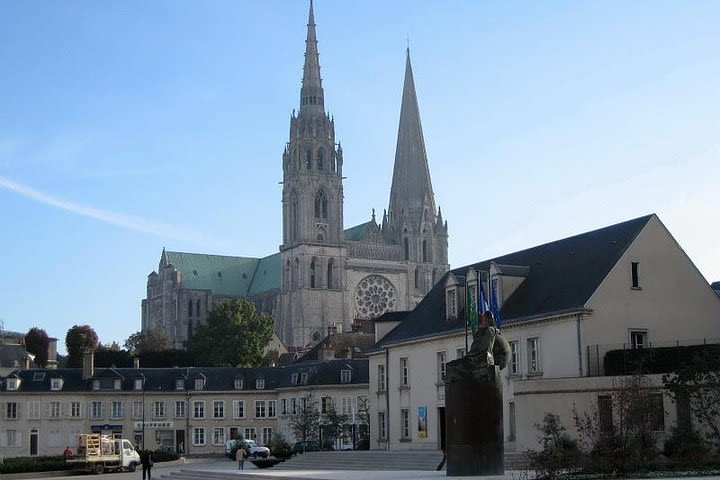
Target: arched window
312, 273
297, 157
417, 278
424, 251
286, 276
406, 248
197, 308
320, 160
320, 205
332, 161
308, 159
295, 270
330, 266
294, 217
190, 309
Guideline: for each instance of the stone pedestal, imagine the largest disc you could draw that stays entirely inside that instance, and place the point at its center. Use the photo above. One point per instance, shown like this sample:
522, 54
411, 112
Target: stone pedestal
474, 420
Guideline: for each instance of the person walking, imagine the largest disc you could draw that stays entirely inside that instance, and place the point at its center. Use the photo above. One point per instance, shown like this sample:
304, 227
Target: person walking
147, 459
240, 456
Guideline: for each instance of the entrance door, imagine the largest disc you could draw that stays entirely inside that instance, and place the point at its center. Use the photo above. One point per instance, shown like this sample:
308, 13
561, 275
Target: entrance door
180, 441
33, 442
441, 430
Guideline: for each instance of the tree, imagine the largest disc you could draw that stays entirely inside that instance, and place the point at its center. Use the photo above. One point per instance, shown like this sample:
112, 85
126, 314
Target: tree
37, 342
78, 338
235, 336
305, 422
332, 423
559, 451
153, 340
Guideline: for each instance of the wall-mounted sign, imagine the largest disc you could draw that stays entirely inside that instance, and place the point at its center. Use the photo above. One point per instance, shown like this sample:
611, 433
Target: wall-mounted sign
422, 422
153, 424
106, 428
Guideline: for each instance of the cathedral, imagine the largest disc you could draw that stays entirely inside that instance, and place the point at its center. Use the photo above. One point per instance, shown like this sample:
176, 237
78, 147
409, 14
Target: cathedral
324, 275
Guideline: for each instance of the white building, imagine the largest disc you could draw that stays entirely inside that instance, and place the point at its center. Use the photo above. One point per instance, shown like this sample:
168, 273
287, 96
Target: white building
566, 306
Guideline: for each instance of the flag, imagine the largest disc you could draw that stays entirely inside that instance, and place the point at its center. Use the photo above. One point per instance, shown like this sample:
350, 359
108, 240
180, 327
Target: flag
471, 307
495, 304
482, 301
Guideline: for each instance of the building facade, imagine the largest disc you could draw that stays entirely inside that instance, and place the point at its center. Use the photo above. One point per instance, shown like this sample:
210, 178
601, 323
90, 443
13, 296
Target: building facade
567, 309
324, 274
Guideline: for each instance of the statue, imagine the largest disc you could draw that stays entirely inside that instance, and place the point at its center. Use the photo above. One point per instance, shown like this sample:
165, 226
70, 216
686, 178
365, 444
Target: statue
474, 406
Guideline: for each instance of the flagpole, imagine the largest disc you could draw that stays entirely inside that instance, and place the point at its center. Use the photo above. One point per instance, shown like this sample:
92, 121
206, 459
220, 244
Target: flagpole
467, 315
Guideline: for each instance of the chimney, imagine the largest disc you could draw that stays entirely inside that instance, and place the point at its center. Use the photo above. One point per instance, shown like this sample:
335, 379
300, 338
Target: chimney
26, 362
136, 362
88, 364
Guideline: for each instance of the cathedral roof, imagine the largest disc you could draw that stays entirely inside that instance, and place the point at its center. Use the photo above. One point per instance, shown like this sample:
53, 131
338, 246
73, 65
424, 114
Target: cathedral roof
562, 276
227, 275
357, 233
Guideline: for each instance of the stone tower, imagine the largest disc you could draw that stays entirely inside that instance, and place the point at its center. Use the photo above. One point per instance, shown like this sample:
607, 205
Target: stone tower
412, 220
312, 253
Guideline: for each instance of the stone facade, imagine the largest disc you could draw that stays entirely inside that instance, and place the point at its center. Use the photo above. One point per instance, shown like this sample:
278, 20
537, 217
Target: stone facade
324, 275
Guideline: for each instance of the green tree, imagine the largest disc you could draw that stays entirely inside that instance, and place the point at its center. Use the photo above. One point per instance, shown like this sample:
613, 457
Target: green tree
153, 340
332, 423
235, 336
37, 342
77, 339
305, 422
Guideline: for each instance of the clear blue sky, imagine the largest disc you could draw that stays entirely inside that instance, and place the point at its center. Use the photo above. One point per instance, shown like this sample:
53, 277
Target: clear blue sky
126, 126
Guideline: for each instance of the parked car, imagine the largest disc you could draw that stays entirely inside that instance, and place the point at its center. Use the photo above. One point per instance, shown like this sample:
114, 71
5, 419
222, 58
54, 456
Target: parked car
254, 450
309, 446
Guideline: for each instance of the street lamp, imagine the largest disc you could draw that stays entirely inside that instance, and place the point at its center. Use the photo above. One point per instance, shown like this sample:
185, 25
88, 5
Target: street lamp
144, 379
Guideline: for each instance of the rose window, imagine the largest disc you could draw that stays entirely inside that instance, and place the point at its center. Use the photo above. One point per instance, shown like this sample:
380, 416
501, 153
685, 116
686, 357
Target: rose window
374, 296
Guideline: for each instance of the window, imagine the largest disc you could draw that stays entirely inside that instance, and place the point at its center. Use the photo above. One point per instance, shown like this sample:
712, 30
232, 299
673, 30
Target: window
266, 435
417, 278
179, 384
117, 384
406, 248
533, 352
190, 309
635, 278
381, 378
293, 379
272, 408
260, 411
283, 406
11, 410
404, 372
320, 205
238, 384
116, 409
405, 424
34, 410
198, 436
303, 378
138, 384
345, 376
325, 404
13, 383
218, 436
260, 384
56, 384
96, 385
451, 303
11, 438
238, 409
382, 426
684, 415
514, 366
347, 406
250, 433
137, 410
330, 267
199, 384
424, 251
197, 308
460, 353
293, 406
159, 409
441, 366
605, 414
511, 421
199, 409
180, 411
38, 376
218, 409
96, 410
639, 338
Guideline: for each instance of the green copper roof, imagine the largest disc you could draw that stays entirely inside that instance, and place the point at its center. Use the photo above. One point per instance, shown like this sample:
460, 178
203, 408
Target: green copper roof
226, 275
355, 234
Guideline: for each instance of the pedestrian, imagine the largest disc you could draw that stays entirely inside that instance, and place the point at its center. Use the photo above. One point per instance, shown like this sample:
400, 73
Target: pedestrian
147, 459
67, 452
442, 462
240, 456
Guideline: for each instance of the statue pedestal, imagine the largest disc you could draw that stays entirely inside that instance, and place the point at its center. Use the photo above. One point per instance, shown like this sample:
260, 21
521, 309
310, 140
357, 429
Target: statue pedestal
474, 420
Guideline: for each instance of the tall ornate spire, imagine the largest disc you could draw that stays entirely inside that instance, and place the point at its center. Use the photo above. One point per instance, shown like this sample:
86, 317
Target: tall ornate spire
311, 93
411, 195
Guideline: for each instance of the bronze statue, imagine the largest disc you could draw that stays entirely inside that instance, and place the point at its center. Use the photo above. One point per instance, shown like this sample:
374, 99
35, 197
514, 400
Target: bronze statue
488, 349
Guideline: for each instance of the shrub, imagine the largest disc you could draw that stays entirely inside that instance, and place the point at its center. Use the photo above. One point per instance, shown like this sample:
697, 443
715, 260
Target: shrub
33, 464
164, 456
685, 445
279, 446
559, 451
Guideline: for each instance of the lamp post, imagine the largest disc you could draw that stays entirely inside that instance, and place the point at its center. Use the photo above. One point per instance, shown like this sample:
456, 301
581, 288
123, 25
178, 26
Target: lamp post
143, 411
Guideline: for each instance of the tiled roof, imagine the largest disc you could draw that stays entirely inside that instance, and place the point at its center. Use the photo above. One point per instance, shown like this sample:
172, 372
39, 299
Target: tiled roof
562, 275
356, 233
11, 355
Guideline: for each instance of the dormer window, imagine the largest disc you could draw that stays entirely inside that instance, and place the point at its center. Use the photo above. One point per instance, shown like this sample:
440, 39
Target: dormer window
199, 384
345, 376
293, 379
96, 385
451, 302
56, 384
259, 383
117, 384
13, 383
238, 384
303, 378
38, 376
179, 384
138, 384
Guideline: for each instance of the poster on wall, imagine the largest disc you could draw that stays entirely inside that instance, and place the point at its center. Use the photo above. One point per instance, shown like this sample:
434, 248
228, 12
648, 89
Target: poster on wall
422, 422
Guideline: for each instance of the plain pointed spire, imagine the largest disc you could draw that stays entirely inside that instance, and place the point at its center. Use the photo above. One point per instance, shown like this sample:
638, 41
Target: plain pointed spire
411, 191
311, 93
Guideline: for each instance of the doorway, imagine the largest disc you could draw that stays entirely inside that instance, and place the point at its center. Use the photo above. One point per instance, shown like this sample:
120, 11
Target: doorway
441, 425
34, 442
180, 441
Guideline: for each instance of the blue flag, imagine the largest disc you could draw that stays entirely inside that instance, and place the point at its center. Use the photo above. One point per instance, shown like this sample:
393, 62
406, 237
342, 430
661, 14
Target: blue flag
495, 304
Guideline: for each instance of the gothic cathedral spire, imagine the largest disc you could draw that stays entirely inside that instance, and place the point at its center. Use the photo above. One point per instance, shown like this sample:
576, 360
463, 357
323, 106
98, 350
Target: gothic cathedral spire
311, 93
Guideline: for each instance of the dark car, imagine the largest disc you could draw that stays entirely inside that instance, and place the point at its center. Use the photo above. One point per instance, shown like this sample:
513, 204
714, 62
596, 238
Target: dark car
309, 446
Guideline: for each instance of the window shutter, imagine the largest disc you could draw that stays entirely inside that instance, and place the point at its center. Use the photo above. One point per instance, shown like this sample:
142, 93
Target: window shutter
3, 410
